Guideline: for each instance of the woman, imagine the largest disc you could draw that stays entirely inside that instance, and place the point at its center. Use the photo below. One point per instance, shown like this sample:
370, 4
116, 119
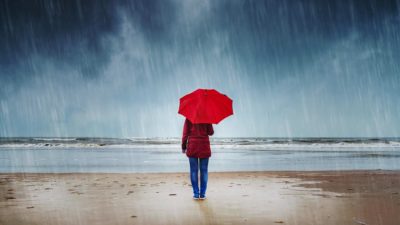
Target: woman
196, 145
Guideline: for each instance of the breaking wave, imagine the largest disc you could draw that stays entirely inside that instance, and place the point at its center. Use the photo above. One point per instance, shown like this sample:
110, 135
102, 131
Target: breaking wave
216, 142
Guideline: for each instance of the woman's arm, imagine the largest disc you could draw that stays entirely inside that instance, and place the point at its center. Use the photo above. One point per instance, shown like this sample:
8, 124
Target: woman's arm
210, 129
186, 133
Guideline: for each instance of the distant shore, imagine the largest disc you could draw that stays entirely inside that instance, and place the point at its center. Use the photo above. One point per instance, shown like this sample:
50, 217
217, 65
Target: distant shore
330, 197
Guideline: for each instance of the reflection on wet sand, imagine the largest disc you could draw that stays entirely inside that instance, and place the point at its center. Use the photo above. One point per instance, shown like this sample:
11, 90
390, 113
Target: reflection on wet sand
352, 197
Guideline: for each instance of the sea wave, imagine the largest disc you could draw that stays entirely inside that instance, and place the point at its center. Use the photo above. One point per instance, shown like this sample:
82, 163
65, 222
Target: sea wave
216, 142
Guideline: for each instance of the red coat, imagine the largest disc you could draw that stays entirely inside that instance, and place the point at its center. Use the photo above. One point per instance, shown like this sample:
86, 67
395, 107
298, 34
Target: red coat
195, 139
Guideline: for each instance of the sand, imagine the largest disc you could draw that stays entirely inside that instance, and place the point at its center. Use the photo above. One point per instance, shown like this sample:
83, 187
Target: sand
352, 197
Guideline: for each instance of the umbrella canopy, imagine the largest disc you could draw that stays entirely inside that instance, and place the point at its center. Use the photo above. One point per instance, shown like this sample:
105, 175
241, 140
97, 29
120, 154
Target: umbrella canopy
205, 106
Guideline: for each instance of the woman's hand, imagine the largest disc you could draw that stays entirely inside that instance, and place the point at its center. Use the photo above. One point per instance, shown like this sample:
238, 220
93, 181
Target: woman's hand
183, 147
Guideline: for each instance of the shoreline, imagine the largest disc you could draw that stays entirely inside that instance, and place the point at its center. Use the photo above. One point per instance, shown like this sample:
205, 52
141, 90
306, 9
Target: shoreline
276, 172
258, 197
233, 171
128, 161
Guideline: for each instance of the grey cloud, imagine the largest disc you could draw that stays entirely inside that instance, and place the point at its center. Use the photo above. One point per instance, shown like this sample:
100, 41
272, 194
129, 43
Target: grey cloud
293, 69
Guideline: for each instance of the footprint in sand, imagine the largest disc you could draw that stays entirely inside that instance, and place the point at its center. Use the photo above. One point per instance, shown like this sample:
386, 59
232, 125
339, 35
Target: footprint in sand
133, 216
30, 207
48, 188
10, 197
279, 221
130, 192
172, 194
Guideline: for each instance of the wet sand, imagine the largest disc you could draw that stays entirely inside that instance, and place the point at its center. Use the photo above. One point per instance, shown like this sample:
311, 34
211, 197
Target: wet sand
352, 197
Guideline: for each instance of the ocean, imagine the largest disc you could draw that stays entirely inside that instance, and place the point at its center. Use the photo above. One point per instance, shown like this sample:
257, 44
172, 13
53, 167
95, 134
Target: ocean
143, 155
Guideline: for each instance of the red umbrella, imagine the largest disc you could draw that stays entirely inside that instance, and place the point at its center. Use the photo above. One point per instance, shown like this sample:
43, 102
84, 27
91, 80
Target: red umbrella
205, 106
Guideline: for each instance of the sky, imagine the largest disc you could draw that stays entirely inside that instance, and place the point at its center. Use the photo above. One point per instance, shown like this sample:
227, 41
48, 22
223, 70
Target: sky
305, 68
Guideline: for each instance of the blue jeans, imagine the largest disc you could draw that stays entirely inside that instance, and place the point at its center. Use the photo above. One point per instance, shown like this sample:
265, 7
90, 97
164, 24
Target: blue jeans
194, 175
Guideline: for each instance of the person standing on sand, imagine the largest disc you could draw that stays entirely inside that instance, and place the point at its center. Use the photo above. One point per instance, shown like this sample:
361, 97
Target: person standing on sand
196, 145
201, 108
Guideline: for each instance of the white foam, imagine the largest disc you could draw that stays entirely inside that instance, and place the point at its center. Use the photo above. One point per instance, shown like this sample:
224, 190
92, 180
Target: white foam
216, 143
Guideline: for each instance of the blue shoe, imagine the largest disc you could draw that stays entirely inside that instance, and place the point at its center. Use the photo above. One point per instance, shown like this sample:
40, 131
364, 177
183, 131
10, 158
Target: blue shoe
195, 197
202, 197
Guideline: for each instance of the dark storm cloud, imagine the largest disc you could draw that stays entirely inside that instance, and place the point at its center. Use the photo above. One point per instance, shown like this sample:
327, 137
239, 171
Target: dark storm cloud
71, 32
63, 31
112, 68
282, 33
293, 33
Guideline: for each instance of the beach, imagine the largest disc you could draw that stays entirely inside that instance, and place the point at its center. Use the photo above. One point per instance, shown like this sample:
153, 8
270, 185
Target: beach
307, 197
251, 181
